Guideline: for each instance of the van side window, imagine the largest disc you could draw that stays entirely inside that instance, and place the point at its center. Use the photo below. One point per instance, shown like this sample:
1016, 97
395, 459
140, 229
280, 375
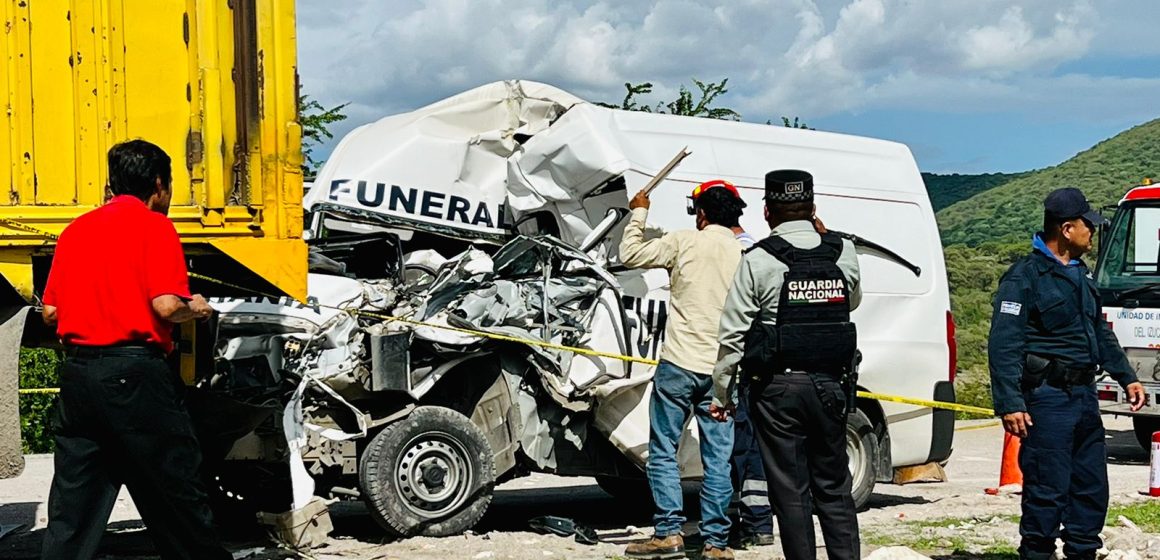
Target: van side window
539, 223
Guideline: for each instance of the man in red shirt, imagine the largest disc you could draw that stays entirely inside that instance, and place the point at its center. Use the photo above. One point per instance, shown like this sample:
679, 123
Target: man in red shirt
117, 286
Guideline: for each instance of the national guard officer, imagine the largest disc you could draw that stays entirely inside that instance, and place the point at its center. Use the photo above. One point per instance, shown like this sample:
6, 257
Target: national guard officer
1048, 341
786, 323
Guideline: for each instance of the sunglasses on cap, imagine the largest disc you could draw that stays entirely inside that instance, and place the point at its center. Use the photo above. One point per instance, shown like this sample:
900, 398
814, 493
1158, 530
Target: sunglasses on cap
691, 200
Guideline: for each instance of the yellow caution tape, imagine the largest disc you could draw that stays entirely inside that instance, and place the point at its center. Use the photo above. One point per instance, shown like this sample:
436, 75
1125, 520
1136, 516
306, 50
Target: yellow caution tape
982, 426
861, 394
28, 229
506, 338
595, 353
929, 404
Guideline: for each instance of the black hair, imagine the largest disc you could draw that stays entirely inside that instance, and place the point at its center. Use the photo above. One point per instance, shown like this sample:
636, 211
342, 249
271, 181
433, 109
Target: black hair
1051, 226
721, 207
135, 166
782, 212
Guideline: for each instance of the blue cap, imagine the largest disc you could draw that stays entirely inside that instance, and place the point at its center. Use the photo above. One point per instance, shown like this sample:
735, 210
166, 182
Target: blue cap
1069, 203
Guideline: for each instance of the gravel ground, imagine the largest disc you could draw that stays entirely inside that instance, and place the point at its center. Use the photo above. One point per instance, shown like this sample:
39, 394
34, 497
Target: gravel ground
952, 519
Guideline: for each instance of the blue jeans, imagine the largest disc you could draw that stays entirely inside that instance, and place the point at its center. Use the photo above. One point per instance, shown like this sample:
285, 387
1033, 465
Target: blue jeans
1065, 473
677, 393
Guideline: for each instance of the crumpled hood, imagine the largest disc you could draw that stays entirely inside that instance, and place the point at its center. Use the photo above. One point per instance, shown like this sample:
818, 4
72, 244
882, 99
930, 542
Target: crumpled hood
443, 166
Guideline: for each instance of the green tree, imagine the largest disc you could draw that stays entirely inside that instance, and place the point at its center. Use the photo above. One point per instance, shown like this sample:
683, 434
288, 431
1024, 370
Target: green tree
684, 104
315, 120
795, 124
629, 103
38, 369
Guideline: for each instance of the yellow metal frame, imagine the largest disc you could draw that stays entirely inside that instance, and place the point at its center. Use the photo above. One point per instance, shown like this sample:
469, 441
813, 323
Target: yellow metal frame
82, 75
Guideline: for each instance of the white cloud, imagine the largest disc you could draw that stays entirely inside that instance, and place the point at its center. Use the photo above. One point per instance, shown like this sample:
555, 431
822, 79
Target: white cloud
1012, 43
783, 57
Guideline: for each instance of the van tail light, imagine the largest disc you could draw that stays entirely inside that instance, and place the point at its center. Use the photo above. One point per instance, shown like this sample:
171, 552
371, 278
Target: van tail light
952, 347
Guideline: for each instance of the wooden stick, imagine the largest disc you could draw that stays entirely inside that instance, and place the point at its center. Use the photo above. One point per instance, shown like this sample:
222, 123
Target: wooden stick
664, 172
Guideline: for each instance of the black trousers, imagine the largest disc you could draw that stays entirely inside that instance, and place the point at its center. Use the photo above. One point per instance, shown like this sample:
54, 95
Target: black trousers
803, 446
120, 419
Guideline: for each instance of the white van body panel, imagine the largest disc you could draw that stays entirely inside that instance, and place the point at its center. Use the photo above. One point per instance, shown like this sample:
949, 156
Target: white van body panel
523, 149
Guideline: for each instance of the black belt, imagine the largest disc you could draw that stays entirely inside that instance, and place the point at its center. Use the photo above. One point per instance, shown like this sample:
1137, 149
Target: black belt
117, 351
1039, 370
800, 372
792, 372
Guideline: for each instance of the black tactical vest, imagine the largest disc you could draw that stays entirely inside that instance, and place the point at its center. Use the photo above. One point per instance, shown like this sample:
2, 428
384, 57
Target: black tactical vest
813, 332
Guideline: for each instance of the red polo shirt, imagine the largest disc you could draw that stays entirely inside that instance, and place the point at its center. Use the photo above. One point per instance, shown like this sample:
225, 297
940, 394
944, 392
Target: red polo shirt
109, 265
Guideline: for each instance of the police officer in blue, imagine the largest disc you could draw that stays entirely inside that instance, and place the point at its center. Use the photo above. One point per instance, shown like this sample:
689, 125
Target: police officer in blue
1048, 343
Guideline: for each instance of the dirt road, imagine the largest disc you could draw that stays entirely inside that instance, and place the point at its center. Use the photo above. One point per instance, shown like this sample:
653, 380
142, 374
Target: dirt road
949, 519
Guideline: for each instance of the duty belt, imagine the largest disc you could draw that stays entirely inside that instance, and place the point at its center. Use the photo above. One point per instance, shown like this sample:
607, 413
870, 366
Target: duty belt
1064, 377
1039, 370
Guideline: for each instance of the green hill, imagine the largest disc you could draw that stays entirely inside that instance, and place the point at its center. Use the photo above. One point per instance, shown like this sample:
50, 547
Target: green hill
945, 190
1012, 211
984, 234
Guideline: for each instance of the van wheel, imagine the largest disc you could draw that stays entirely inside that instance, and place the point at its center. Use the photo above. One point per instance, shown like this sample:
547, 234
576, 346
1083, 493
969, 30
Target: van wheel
431, 474
1145, 426
862, 448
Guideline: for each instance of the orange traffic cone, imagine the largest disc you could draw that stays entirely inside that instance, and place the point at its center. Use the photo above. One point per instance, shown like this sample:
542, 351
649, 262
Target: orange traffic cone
1010, 476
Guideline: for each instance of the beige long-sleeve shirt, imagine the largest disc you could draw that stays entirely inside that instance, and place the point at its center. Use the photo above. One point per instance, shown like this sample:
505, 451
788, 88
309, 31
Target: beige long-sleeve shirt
755, 291
701, 266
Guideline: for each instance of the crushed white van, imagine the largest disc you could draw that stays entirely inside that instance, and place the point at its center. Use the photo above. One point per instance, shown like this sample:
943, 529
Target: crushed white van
500, 210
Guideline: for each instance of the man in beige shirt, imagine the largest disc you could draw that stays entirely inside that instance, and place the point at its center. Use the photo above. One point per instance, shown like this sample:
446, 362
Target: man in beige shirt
701, 266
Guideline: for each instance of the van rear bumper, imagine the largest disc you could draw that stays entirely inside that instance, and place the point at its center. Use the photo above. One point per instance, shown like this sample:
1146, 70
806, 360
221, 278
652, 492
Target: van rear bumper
943, 428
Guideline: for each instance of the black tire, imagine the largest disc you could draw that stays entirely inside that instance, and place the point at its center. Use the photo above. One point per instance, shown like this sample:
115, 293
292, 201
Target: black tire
862, 447
1145, 426
630, 490
430, 474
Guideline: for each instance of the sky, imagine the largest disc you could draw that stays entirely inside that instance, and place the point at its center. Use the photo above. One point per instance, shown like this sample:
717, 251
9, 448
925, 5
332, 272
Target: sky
971, 86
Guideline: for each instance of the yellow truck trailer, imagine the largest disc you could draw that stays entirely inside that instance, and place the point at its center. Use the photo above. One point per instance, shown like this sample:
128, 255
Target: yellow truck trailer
213, 82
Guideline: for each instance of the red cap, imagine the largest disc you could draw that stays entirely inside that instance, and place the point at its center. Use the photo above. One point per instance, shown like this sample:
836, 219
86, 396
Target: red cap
714, 183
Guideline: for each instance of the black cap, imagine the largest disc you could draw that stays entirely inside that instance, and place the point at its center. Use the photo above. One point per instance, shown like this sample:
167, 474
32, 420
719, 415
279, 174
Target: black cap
1069, 203
789, 185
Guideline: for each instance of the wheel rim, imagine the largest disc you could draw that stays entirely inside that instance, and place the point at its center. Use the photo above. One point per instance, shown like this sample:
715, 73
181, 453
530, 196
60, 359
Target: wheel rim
859, 461
434, 475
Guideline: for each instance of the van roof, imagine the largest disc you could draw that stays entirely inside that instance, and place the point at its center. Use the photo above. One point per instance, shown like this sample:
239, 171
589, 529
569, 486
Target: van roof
526, 147
744, 152
741, 152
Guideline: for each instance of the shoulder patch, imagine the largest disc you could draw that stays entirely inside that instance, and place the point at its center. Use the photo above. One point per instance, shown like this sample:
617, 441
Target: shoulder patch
1010, 307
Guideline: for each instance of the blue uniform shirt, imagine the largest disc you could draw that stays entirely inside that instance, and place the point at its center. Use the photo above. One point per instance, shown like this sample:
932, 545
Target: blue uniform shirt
1049, 309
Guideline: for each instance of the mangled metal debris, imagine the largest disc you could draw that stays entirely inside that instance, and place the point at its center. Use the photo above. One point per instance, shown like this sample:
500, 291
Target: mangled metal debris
341, 351
302, 528
457, 251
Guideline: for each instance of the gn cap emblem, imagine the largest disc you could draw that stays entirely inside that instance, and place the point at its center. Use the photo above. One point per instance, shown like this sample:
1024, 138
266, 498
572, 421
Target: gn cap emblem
794, 188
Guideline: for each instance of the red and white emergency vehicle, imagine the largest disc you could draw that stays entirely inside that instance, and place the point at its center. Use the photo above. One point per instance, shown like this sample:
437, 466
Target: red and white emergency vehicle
1128, 277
